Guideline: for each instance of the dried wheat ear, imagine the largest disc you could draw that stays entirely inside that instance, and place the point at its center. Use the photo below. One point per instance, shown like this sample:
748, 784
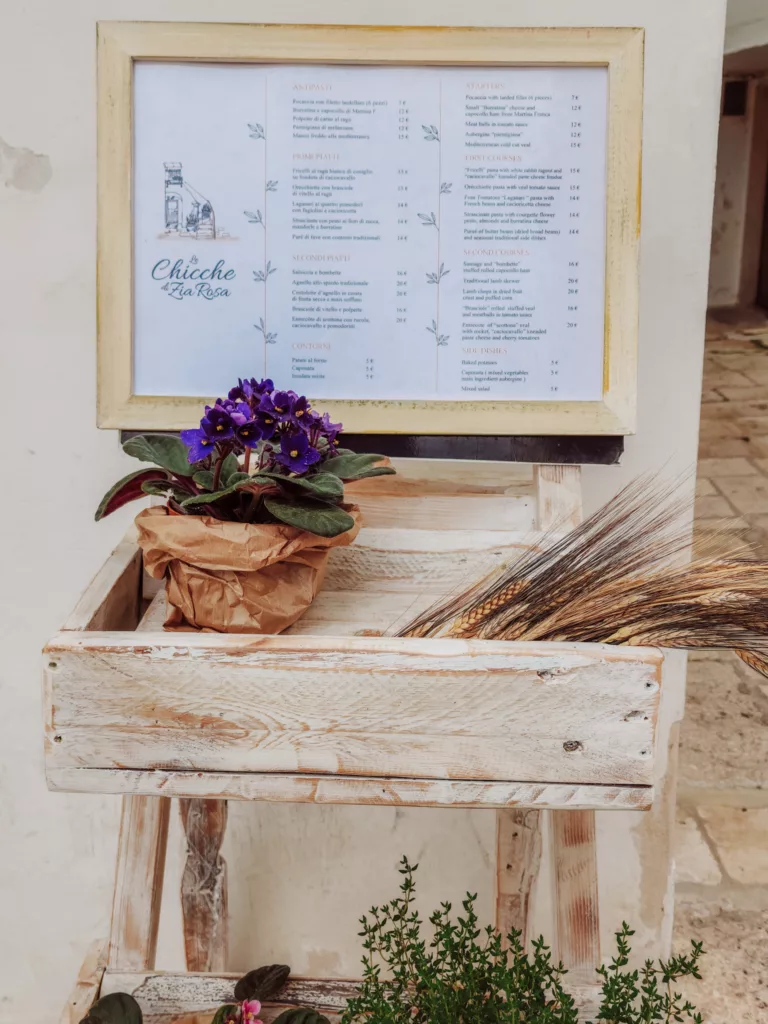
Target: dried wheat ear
621, 577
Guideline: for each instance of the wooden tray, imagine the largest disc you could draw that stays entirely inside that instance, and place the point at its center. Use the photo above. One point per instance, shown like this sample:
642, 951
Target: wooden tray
332, 712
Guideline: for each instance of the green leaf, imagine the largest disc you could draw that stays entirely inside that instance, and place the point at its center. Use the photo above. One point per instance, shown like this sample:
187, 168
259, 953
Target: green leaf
314, 516
224, 1013
117, 1008
356, 467
128, 489
263, 983
208, 496
161, 490
204, 478
325, 486
301, 1015
229, 466
164, 450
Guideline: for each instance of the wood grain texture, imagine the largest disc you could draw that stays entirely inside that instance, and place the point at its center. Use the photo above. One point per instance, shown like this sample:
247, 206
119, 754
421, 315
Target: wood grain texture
576, 899
88, 984
204, 879
574, 842
111, 599
372, 706
204, 885
620, 50
447, 512
518, 857
138, 882
519, 832
284, 787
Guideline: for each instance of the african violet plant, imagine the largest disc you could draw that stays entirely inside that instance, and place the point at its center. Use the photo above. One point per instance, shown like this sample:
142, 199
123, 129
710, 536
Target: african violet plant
259, 456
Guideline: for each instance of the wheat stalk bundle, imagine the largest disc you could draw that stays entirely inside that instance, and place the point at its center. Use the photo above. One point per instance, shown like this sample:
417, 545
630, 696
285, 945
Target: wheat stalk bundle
618, 578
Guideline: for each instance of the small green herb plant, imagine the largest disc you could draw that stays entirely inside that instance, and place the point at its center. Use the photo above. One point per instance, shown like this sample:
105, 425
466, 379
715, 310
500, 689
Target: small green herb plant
462, 974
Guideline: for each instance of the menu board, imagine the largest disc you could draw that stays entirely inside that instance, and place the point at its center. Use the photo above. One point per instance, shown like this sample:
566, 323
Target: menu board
366, 232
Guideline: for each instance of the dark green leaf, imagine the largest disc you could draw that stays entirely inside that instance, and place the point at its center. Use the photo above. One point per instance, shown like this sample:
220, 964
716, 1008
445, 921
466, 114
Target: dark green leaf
263, 983
228, 467
128, 489
162, 489
204, 478
325, 486
356, 467
164, 450
224, 1013
117, 1008
314, 516
208, 496
300, 1015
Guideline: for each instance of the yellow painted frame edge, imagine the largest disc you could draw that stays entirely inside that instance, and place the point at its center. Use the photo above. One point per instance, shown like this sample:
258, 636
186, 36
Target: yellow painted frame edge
619, 49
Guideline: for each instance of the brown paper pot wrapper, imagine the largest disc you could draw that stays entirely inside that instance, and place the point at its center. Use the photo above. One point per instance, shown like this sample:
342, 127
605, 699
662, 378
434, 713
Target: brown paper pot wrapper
235, 577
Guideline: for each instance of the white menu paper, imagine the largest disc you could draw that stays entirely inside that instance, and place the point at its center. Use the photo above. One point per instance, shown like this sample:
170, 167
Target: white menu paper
370, 233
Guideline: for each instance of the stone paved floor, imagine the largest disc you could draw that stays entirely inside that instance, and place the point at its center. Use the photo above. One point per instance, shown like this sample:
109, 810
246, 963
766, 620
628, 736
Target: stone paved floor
722, 834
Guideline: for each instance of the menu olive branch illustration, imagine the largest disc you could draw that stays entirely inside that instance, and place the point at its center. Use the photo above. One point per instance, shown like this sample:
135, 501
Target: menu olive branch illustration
258, 132
433, 133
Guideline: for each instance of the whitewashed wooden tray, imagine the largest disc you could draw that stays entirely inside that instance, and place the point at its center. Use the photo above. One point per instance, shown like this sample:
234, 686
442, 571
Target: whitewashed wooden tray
332, 712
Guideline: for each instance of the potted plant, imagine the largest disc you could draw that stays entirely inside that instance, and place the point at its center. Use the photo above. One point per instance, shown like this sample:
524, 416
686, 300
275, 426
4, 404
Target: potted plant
456, 972
254, 503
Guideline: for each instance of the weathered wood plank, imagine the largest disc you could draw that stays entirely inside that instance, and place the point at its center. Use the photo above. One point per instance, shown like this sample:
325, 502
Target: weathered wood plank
418, 562
519, 832
373, 706
448, 512
171, 998
138, 882
88, 984
576, 900
111, 600
574, 842
204, 879
204, 885
518, 857
283, 787
558, 496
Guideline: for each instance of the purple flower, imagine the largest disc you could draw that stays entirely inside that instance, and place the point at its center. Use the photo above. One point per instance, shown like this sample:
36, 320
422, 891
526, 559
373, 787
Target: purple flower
331, 430
240, 414
296, 453
261, 387
301, 413
218, 421
267, 424
199, 442
282, 402
249, 433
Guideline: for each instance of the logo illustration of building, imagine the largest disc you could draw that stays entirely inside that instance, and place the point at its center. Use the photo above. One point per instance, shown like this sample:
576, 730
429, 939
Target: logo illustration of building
187, 211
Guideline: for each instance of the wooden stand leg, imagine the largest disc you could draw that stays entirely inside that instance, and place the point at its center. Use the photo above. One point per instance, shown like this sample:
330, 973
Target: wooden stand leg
574, 844
574, 854
558, 496
138, 883
88, 983
204, 885
518, 856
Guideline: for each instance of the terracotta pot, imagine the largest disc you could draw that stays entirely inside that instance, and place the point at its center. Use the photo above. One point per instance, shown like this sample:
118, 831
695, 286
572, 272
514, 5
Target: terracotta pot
235, 577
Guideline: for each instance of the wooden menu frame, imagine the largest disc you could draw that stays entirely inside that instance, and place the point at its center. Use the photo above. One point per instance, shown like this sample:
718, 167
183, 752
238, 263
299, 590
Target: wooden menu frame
620, 50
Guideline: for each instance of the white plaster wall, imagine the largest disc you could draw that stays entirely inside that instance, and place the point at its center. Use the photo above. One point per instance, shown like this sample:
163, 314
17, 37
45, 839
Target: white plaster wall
729, 218
300, 875
746, 25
